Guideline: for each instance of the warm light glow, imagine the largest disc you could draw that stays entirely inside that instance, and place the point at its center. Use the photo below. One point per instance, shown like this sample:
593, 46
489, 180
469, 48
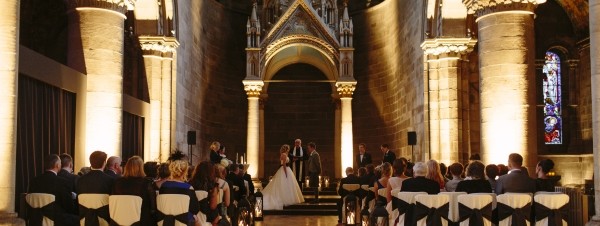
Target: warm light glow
252, 139
146, 10
347, 138
454, 9
504, 135
104, 118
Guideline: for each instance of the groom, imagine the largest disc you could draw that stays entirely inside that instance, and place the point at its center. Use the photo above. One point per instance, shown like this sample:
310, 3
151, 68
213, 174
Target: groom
314, 169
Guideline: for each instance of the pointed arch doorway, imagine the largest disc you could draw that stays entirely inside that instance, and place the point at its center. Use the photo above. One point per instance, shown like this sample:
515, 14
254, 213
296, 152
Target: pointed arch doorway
299, 104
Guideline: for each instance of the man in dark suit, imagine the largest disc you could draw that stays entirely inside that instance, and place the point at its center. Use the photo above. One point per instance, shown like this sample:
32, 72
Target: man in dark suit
66, 171
517, 180
237, 180
349, 179
419, 182
297, 156
314, 169
113, 167
50, 183
363, 158
388, 156
96, 181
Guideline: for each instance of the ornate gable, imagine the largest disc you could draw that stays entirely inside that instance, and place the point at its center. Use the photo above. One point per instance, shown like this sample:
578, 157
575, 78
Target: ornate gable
300, 20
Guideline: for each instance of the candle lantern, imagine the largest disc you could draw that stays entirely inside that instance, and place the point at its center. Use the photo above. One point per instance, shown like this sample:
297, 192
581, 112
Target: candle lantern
245, 213
307, 181
258, 206
351, 210
326, 180
364, 217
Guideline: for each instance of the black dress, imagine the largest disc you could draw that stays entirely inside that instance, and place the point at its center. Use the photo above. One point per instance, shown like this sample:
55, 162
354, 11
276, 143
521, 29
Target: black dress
544, 185
474, 186
142, 187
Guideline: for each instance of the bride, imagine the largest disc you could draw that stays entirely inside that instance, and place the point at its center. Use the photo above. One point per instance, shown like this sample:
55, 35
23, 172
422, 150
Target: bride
283, 189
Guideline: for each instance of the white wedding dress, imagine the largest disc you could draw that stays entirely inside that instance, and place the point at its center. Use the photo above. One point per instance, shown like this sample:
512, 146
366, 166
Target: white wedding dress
282, 190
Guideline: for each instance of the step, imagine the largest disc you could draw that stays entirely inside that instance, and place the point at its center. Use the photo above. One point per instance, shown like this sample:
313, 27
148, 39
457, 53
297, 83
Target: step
321, 206
310, 209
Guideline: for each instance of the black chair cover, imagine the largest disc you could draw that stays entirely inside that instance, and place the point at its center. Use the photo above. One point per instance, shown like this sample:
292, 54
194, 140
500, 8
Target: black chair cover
91, 215
519, 215
555, 216
403, 208
36, 215
169, 220
114, 223
434, 215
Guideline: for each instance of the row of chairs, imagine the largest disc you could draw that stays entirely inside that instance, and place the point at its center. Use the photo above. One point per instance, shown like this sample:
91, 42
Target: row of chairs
122, 209
460, 208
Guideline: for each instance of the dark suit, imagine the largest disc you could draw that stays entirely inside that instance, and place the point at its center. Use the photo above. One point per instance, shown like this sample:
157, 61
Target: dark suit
248, 178
421, 184
215, 158
516, 181
350, 179
390, 156
237, 181
474, 186
366, 160
95, 182
71, 178
314, 170
50, 183
112, 174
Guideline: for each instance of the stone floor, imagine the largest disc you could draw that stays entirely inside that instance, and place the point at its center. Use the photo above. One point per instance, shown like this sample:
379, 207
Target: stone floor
287, 220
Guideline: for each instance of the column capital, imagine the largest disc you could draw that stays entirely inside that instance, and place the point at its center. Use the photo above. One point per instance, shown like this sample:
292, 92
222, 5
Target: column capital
345, 88
159, 45
253, 87
459, 46
120, 6
483, 7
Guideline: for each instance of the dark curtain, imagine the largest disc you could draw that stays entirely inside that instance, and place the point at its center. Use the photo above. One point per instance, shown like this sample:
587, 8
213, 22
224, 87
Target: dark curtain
45, 125
133, 136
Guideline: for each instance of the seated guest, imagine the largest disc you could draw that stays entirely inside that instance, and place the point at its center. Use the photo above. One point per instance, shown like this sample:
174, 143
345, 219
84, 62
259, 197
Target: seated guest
50, 183
477, 182
177, 184
162, 175
67, 171
246, 177
456, 169
223, 205
215, 158
151, 170
134, 182
517, 180
434, 173
204, 179
113, 167
236, 180
502, 169
396, 181
84, 170
491, 172
382, 183
349, 179
96, 181
419, 182
542, 183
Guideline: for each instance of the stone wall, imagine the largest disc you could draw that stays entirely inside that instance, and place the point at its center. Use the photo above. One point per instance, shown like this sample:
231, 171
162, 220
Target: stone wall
388, 100
210, 69
573, 169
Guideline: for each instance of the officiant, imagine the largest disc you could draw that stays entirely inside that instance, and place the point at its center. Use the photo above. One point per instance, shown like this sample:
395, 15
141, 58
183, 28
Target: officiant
297, 156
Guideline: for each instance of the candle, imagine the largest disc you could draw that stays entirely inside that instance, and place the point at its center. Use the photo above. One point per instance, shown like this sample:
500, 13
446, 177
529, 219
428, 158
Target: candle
236, 158
242, 159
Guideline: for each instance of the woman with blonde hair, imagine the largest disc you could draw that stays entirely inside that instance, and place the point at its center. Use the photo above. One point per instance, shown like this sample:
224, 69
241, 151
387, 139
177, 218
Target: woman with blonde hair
177, 184
433, 173
134, 182
283, 190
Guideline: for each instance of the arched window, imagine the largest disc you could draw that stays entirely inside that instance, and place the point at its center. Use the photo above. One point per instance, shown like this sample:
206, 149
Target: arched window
551, 87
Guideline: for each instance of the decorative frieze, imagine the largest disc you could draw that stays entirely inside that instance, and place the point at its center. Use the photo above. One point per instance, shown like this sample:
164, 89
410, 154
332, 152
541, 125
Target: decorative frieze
440, 46
120, 6
483, 7
158, 45
346, 88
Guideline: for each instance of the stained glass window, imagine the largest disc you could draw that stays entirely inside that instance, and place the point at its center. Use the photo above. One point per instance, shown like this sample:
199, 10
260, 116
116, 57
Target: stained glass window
551, 86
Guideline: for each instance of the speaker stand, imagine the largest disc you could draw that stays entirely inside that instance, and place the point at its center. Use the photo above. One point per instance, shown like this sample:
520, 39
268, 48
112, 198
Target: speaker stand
412, 153
190, 153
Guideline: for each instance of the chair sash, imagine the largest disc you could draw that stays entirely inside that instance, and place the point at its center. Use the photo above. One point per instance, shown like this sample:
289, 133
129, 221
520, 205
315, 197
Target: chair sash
114, 223
555, 216
475, 216
169, 219
434, 215
403, 207
92, 206
519, 215
91, 215
40, 206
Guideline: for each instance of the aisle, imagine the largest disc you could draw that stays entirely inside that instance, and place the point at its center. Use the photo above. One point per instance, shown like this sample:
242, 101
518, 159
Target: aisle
289, 220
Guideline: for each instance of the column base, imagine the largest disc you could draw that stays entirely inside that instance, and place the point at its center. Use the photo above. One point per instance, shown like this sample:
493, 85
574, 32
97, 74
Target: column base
10, 219
595, 221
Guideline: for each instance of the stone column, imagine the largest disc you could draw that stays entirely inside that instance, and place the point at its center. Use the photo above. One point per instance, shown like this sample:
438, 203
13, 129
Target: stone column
595, 73
507, 79
96, 42
158, 59
444, 56
253, 87
345, 90
9, 53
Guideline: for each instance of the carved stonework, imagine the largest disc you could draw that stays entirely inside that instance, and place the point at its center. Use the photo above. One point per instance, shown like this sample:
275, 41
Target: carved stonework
346, 89
305, 39
253, 87
483, 7
120, 6
158, 45
458, 46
